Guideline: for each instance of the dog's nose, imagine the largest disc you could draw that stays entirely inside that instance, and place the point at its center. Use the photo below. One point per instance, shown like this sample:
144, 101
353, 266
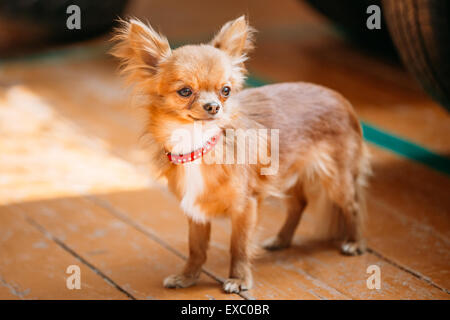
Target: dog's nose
212, 107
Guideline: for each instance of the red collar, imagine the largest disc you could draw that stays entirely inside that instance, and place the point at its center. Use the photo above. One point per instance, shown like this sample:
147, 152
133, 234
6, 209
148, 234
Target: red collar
194, 155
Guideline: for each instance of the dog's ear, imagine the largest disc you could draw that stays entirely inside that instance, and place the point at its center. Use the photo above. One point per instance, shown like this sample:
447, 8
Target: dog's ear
140, 48
235, 38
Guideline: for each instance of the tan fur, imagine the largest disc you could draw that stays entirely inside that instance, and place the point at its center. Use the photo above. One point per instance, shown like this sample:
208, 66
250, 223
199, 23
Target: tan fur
320, 142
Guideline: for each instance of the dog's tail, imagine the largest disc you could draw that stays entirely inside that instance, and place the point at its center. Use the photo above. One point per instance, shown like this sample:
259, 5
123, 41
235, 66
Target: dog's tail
331, 223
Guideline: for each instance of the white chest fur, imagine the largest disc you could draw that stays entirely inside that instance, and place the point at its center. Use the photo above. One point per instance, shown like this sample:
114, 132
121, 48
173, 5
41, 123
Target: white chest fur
185, 139
192, 189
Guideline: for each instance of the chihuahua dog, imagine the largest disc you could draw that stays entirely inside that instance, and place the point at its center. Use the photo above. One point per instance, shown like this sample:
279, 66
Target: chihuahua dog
199, 87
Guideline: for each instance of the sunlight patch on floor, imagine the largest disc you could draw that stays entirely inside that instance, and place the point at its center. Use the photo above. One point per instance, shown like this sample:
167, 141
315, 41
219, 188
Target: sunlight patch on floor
46, 156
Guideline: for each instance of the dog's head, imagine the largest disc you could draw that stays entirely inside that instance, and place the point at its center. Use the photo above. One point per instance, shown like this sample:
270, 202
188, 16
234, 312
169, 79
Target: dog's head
192, 82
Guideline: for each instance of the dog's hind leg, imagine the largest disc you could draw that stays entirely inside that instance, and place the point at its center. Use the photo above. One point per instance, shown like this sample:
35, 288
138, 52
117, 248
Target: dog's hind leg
296, 203
348, 199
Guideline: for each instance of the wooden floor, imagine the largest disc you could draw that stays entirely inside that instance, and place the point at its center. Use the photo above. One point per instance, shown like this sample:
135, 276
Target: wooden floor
76, 186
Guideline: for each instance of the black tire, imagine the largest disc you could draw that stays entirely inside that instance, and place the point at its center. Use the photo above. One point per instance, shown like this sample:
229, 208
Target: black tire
420, 30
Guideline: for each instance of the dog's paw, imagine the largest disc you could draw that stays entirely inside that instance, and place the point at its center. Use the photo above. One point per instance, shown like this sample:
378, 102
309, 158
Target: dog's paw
352, 248
236, 285
275, 243
179, 281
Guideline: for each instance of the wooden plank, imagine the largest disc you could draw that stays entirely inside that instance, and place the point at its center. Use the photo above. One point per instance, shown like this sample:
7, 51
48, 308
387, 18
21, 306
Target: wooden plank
409, 209
133, 261
7, 292
157, 212
73, 162
412, 191
155, 209
99, 109
348, 274
34, 267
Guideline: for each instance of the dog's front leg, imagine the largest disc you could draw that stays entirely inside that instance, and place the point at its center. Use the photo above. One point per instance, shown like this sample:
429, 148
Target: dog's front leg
199, 234
243, 225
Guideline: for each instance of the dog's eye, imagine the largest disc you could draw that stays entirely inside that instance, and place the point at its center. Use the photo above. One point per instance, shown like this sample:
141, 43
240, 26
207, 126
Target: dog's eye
185, 92
226, 91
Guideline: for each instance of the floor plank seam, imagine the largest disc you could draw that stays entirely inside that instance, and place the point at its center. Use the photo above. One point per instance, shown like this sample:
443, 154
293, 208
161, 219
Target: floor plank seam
319, 283
77, 256
405, 219
124, 217
14, 291
405, 269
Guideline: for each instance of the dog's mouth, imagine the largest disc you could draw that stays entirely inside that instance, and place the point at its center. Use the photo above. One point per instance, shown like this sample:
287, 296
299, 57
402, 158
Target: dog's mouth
201, 119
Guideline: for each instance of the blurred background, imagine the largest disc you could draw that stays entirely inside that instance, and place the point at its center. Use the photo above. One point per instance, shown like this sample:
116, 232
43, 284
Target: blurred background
417, 31
76, 185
